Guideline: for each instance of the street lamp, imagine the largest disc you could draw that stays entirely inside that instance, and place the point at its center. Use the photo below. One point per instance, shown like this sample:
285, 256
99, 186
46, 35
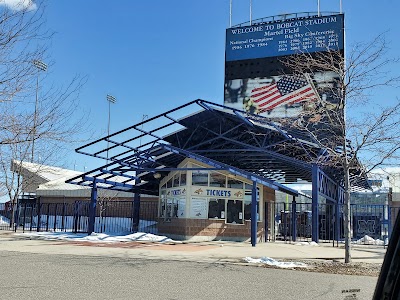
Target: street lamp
110, 99
41, 66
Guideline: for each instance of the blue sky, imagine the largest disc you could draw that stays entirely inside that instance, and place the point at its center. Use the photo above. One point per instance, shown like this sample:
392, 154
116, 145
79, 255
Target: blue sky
154, 55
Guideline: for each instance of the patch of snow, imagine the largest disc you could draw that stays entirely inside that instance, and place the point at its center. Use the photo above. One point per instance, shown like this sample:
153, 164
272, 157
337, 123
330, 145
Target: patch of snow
138, 236
272, 262
307, 244
98, 237
367, 240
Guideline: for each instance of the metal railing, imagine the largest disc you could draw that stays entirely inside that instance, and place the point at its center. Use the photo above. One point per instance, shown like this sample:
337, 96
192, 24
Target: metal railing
5, 216
111, 217
370, 223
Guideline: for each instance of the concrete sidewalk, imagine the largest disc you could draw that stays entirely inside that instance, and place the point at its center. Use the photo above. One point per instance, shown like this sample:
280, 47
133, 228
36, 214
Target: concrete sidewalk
197, 252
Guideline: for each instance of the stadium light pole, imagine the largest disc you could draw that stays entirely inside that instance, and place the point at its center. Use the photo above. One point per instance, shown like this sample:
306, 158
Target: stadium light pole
110, 99
144, 117
230, 13
41, 66
251, 13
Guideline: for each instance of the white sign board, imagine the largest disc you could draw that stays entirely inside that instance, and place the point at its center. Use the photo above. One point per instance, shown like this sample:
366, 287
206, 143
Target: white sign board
181, 208
199, 208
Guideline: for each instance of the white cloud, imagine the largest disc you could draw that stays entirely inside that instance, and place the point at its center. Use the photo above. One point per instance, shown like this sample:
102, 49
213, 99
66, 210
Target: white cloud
18, 4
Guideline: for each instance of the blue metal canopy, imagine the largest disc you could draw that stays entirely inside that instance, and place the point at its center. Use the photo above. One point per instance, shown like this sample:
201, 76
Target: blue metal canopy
223, 138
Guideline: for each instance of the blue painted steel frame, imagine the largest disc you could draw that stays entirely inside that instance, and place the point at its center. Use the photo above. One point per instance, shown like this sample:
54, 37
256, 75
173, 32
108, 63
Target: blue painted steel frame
266, 222
246, 118
390, 223
323, 185
141, 159
294, 220
136, 212
92, 208
314, 208
254, 220
114, 183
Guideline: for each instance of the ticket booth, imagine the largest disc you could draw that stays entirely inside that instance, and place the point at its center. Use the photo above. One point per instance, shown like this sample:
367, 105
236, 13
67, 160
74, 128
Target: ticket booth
204, 205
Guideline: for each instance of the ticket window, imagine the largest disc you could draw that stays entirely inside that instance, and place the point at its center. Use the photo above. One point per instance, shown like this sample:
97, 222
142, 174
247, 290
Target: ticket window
163, 204
234, 212
216, 209
169, 208
247, 205
247, 210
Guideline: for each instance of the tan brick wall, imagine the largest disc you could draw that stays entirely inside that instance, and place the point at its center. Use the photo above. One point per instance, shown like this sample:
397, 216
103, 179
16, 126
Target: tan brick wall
269, 194
269, 201
213, 229
175, 227
394, 203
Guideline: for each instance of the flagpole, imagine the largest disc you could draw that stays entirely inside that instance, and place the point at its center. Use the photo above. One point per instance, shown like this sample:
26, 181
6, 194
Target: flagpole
341, 6
319, 13
230, 13
250, 13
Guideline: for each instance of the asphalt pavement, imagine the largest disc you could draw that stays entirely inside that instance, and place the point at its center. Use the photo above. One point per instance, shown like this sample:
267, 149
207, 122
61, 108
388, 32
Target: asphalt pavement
42, 269
195, 252
55, 276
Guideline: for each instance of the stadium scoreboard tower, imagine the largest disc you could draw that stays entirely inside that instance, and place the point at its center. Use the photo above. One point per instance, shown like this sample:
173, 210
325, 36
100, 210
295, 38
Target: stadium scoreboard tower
258, 80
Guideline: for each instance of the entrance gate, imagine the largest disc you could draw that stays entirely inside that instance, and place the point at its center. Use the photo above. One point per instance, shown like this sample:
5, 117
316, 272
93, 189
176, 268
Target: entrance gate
371, 224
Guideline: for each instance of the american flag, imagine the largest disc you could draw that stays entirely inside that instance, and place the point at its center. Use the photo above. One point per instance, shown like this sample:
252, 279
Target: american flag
287, 90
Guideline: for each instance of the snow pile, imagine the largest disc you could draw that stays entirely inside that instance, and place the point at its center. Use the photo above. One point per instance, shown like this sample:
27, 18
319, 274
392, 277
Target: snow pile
138, 236
307, 244
272, 262
367, 240
98, 237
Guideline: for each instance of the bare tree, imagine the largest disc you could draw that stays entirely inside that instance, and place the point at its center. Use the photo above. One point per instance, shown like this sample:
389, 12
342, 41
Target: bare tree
23, 38
52, 124
349, 119
105, 201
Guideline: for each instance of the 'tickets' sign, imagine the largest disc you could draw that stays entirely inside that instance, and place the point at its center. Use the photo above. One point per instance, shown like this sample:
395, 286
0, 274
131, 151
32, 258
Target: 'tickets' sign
217, 193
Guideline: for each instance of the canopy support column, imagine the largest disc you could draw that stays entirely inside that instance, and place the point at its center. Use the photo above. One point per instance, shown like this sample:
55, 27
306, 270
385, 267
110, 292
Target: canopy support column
294, 220
254, 214
315, 193
92, 208
136, 212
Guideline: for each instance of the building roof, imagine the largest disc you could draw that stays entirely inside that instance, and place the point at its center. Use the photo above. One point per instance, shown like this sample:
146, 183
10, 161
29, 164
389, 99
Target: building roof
58, 188
223, 138
47, 173
55, 178
384, 178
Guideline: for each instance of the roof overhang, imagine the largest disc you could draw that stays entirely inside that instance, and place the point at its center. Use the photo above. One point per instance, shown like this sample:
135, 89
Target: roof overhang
221, 137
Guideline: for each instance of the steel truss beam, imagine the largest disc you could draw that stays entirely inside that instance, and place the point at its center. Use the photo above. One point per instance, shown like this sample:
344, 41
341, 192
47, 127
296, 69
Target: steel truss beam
221, 135
323, 185
231, 169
